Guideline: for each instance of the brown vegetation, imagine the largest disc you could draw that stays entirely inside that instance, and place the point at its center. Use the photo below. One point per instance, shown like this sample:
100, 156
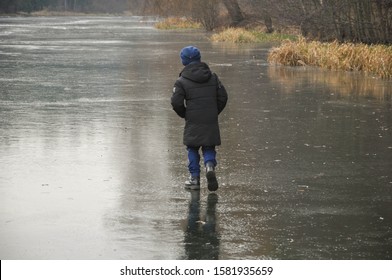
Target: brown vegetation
177, 23
374, 59
242, 35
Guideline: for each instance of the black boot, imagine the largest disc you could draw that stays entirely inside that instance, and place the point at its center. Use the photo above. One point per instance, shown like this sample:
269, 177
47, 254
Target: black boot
211, 177
193, 183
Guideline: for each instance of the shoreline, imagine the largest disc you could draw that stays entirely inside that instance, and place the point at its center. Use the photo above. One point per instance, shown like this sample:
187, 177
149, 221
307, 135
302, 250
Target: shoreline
293, 50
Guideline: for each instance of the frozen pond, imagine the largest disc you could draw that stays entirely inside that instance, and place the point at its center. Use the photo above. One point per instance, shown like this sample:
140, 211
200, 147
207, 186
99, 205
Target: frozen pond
92, 161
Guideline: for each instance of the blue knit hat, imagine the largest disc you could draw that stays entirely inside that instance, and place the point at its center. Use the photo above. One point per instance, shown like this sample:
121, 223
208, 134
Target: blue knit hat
190, 54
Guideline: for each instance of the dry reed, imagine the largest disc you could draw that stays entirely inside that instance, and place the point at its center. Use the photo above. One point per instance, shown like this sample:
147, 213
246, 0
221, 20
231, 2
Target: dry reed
234, 35
242, 35
372, 59
177, 23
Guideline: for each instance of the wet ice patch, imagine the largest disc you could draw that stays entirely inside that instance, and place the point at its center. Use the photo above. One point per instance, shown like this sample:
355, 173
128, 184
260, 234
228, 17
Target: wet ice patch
10, 53
221, 64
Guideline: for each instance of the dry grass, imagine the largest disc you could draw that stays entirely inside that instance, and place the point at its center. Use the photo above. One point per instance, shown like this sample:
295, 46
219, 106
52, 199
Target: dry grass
372, 59
234, 35
177, 23
242, 35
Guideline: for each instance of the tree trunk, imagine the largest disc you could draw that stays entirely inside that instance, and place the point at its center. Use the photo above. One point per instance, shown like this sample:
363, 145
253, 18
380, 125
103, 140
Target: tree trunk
268, 22
234, 11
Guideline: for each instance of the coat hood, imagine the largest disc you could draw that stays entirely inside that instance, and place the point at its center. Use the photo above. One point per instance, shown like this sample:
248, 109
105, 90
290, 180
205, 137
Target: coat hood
197, 72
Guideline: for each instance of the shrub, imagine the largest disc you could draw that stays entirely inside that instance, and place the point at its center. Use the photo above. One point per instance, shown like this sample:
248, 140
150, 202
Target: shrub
234, 35
241, 35
177, 23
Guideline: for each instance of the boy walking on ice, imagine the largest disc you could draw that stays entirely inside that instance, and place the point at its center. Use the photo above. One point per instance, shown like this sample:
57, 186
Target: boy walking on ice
199, 97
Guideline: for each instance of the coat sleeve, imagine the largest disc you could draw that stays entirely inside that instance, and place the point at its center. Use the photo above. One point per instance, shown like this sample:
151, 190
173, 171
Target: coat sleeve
178, 100
221, 95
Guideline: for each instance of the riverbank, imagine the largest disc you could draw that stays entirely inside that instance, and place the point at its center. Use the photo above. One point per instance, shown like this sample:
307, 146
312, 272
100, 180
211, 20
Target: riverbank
293, 51
371, 59
297, 51
229, 35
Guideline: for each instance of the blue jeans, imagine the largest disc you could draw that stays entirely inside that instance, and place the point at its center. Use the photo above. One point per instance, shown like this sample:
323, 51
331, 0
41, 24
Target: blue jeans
209, 154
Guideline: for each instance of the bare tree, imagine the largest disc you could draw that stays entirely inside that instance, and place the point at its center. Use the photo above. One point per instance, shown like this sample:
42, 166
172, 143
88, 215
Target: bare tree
206, 12
234, 10
368, 21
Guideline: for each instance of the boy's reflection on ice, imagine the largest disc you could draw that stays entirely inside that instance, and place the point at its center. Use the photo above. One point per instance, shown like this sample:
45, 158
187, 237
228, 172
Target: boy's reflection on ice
201, 239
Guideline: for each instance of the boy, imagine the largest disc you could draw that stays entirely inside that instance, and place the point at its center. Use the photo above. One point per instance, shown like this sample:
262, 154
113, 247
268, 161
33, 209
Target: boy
199, 97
